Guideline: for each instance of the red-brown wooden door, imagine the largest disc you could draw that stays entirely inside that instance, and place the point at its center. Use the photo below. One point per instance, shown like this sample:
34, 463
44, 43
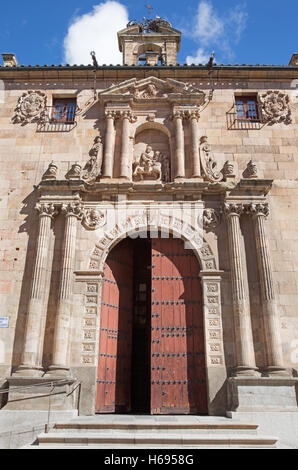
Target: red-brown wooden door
178, 375
115, 344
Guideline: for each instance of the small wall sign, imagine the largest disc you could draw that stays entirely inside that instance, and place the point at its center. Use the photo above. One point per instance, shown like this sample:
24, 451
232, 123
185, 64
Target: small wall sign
4, 322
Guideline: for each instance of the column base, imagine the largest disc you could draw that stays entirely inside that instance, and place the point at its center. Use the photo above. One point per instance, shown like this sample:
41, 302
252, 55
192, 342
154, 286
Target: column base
276, 371
57, 371
28, 371
246, 371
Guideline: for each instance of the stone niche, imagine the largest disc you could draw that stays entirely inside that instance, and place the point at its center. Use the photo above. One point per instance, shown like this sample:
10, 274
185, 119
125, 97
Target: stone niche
156, 141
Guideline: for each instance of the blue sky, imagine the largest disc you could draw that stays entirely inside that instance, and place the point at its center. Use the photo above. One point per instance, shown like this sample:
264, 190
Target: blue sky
53, 32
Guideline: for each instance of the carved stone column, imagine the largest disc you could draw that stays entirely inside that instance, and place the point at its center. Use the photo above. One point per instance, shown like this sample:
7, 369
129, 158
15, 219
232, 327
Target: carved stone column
196, 165
125, 164
270, 314
179, 135
245, 357
108, 163
73, 212
31, 364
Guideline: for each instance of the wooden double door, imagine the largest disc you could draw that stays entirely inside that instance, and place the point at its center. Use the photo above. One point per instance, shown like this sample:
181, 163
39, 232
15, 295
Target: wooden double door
151, 351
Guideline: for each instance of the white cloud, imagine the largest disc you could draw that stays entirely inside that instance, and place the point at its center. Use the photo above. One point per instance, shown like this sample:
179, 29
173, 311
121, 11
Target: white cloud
96, 31
200, 58
214, 32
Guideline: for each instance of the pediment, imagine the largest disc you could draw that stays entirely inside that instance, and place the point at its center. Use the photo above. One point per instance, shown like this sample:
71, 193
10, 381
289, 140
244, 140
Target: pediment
152, 88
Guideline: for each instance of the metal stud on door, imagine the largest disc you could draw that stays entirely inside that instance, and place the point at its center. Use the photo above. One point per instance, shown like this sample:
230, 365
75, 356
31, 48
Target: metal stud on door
178, 384
115, 343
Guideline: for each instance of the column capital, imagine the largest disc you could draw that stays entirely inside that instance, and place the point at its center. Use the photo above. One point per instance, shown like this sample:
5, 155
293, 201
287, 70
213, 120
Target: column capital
46, 209
73, 209
127, 114
178, 115
110, 114
258, 209
233, 209
192, 114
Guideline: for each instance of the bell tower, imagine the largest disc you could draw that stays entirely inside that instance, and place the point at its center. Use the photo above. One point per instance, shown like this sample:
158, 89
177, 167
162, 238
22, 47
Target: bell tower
152, 41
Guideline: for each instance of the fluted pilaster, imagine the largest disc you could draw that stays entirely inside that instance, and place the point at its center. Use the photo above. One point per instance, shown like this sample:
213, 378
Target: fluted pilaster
73, 212
274, 354
245, 356
125, 163
179, 136
196, 165
31, 364
108, 163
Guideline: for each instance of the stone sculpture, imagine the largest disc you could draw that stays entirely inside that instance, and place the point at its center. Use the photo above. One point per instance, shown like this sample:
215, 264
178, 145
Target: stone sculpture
209, 165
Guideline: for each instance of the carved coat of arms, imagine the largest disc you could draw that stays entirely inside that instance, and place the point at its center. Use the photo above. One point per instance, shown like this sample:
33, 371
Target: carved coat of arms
275, 107
31, 107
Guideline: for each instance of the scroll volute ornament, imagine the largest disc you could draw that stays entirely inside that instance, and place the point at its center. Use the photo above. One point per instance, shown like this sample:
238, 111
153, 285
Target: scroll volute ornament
275, 107
209, 165
31, 107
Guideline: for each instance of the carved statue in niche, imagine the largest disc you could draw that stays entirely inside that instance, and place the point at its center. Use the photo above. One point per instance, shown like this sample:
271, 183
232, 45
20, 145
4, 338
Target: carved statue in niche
93, 167
151, 166
209, 165
31, 107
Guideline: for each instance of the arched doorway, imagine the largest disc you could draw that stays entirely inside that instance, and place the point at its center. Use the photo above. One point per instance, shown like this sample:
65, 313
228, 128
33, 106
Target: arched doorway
151, 351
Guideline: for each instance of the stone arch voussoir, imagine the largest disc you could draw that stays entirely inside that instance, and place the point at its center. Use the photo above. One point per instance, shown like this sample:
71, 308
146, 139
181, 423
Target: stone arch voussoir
166, 224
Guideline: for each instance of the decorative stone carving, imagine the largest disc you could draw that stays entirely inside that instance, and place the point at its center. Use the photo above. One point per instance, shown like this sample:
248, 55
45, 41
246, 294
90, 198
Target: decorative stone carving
209, 165
51, 172
258, 209
148, 166
251, 170
46, 209
93, 167
275, 107
150, 91
228, 170
73, 209
211, 218
233, 209
74, 172
93, 219
31, 107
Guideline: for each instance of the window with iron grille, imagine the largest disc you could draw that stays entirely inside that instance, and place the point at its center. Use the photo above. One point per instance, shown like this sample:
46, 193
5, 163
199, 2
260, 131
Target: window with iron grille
64, 110
247, 108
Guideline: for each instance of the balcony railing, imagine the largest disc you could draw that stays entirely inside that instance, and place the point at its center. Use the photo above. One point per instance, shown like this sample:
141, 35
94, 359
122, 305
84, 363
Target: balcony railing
238, 119
58, 118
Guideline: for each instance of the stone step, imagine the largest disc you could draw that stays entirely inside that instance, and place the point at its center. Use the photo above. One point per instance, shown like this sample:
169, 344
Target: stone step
172, 427
119, 440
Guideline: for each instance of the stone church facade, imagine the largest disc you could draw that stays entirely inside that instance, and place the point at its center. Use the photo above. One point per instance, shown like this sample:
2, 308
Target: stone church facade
149, 234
